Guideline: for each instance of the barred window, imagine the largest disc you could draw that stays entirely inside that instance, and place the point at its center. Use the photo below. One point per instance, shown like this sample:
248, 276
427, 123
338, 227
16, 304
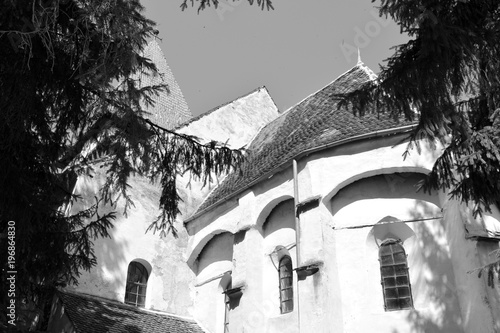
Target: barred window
286, 284
137, 280
395, 278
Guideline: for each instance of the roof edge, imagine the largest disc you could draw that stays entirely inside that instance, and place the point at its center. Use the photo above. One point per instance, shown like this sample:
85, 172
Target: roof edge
123, 305
153, 43
212, 110
326, 85
390, 131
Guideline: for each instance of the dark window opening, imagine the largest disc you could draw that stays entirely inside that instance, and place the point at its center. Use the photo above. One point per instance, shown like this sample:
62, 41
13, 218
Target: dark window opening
137, 280
286, 285
395, 278
227, 302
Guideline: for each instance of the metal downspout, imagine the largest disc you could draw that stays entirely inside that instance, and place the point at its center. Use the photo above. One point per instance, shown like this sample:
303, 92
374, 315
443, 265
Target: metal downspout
297, 230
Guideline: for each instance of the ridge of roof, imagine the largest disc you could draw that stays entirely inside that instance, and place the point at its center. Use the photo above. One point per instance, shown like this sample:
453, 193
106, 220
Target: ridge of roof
371, 74
311, 123
212, 110
347, 72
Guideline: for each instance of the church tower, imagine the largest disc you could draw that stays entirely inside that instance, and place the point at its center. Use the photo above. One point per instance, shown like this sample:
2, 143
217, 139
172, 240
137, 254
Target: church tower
170, 109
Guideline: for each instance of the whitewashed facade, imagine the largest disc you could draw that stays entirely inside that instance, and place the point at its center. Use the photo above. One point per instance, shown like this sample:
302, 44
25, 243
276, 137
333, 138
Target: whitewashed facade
327, 190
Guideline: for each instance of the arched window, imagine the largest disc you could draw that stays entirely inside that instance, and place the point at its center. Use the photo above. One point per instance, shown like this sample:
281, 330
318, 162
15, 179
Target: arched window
286, 284
395, 278
137, 281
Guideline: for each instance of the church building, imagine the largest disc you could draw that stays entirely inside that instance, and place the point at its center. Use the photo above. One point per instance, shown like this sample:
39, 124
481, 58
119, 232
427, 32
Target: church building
322, 230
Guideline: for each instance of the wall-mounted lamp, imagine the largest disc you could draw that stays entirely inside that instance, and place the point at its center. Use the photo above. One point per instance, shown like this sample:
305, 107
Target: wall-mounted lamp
234, 293
305, 271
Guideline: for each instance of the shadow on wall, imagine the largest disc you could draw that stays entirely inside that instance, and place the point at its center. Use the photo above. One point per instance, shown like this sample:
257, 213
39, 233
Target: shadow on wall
170, 277
436, 305
438, 279
281, 216
103, 278
216, 257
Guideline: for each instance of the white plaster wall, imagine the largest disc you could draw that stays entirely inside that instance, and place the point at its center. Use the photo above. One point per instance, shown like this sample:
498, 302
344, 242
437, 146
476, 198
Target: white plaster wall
169, 284
279, 241
436, 306
487, 250
256, 255
322, 173
237, 122
346, 295
216, 258
477, 309
249, 211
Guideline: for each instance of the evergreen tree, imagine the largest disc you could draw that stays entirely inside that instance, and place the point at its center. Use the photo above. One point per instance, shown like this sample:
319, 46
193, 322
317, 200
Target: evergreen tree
446, 78
69, 91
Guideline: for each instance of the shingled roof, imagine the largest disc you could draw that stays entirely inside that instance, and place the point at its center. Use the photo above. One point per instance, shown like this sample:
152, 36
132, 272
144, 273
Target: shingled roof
170, 109
96, 315
314, 122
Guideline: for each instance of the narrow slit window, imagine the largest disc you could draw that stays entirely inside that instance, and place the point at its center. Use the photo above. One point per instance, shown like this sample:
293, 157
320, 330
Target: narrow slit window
286, 284
395, 278
137, 281
227, 307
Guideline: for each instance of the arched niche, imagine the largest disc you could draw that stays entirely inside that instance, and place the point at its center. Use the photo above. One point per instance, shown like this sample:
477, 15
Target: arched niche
279, 226
368, 200
371, 173
282, 216
216, 257
268, 208
200, 246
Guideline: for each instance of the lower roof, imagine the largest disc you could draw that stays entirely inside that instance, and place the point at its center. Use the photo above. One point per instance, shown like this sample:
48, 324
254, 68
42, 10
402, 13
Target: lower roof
97, 315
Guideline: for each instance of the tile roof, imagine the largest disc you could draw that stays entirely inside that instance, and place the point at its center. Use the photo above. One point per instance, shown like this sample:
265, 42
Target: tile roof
96, 315
170, 108
312, 123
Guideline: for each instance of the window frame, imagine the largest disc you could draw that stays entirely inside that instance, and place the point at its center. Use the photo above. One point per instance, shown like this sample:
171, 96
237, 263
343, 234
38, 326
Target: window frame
285, 274
395, 276
133, 294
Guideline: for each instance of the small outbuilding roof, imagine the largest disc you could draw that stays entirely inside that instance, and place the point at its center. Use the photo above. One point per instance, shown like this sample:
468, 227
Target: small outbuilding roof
314, 122
96, 315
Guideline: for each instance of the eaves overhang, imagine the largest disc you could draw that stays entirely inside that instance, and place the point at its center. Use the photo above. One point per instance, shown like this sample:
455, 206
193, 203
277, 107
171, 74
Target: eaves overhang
304, 153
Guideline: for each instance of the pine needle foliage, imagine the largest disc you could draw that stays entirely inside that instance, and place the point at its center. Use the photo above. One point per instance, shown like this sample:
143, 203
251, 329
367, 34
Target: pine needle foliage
68, 93
204, 4
447, 78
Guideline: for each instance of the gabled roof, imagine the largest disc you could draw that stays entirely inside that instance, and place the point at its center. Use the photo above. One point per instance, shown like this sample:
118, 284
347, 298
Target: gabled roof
215, 109
96, 315
170, 108
234, 123
313, 123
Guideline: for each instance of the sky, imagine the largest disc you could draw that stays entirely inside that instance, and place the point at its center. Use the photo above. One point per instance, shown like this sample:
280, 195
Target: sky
294, 50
